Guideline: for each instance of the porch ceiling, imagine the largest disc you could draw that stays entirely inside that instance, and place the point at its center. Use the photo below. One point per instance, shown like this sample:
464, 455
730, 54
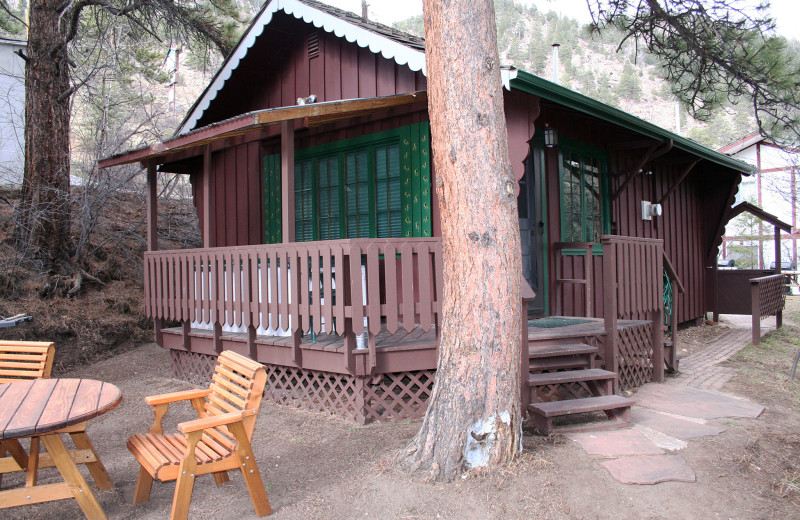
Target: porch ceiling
315, 114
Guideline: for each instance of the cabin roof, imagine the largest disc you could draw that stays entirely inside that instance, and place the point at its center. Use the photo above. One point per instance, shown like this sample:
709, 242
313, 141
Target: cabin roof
403, 48
406, 49
555, 93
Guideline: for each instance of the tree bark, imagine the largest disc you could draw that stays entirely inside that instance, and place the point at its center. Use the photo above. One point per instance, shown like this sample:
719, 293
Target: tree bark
43, 217
474, 416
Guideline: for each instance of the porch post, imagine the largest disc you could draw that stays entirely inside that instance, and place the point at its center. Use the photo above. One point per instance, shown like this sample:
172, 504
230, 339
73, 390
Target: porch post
287, 181
778, 267
610, 306
152, 207
658, 320
206, 224
152, 232
715, 294
755, 299
209, 241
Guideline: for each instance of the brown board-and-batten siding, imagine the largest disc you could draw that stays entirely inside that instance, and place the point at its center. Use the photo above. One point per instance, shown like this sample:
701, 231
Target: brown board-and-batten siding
689, 212
295, 60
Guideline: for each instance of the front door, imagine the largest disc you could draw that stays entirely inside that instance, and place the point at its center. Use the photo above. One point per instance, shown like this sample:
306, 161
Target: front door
532, 227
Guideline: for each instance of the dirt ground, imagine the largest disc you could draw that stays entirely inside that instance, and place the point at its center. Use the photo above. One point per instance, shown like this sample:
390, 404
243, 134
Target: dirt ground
316, 466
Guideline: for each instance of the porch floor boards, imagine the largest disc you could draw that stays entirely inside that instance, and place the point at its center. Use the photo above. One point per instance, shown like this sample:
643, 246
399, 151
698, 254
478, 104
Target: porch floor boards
595, 327
414, 350
416, 339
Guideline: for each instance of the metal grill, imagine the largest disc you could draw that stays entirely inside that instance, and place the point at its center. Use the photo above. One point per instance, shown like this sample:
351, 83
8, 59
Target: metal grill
635, 362
668, 296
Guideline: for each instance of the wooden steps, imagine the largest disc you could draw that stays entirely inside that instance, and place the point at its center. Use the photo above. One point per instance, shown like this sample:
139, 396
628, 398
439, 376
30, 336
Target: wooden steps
570, 376
552, 365
561, 356
614, 405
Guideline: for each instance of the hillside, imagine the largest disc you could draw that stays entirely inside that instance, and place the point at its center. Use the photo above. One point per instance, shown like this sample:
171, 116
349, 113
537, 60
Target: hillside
595, 65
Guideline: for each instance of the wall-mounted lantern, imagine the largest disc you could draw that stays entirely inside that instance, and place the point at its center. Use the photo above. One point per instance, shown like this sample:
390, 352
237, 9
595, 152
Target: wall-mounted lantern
550, 136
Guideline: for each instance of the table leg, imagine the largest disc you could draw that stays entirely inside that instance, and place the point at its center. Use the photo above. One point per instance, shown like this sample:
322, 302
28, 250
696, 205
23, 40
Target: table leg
96, 467
79, 487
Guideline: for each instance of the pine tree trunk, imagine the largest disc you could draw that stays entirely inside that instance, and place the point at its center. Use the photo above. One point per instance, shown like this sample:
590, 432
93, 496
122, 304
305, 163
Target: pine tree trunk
474, 416
43, 217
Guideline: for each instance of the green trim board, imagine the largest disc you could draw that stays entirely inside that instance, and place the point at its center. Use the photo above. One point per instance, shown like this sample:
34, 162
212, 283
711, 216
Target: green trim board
377, 185
531, 84
271, 186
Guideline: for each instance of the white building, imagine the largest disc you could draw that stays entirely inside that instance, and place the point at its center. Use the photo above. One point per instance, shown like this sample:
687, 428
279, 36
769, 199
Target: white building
12, 112
774, 188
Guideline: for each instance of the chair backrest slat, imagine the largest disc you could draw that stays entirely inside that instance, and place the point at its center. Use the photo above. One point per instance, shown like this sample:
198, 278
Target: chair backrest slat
237, 384
231, 386
25, 360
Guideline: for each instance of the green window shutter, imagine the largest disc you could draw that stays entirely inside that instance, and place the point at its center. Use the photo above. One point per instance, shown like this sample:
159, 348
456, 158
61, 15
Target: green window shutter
328, 191
376, 185
304, 201
357, 194
387, 191
271, 183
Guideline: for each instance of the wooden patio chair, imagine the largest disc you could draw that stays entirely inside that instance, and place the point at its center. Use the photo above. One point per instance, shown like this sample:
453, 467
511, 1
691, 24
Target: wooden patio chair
218, 441
21, 360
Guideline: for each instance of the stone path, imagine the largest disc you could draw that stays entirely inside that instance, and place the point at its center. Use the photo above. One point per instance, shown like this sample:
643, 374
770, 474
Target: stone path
668, 415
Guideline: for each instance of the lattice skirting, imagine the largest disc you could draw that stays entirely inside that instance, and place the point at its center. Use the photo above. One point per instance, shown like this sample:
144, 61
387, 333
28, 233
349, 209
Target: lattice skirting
635, 361
389, 397
562, 391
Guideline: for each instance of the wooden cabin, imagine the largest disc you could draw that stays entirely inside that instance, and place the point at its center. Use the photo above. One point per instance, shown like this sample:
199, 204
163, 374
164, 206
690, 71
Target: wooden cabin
309, 156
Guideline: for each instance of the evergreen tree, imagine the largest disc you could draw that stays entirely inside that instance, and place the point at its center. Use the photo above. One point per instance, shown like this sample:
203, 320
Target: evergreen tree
630, 87
42, 219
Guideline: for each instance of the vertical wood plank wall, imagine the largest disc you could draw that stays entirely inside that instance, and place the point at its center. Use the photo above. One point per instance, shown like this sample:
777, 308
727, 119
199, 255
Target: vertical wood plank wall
277, 70
690, 215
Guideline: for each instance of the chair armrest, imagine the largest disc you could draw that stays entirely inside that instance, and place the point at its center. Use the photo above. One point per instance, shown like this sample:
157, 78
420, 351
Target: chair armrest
215, 420
173, 397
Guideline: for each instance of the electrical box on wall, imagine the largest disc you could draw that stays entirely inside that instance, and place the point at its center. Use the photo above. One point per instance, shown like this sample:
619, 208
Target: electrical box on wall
650, 210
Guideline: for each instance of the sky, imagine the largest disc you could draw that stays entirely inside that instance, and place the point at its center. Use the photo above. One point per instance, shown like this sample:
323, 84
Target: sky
785, 12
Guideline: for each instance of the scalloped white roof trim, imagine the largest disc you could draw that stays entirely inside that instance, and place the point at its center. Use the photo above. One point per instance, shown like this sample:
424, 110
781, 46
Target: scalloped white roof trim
376, 43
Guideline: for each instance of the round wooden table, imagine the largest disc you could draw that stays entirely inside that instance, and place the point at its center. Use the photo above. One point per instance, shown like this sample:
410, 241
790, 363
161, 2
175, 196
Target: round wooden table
42, 407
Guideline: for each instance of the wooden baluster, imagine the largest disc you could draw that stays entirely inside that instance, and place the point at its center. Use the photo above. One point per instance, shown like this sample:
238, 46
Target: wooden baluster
407, 266
390, 275
425, 286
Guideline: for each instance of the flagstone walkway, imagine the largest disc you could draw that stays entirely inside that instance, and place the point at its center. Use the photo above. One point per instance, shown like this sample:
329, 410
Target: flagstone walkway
667, 416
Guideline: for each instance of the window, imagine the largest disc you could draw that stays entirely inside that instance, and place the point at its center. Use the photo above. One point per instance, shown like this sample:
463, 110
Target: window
584, 194
372, 186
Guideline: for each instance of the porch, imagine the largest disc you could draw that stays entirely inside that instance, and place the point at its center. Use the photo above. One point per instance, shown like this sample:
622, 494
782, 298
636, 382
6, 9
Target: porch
350, 326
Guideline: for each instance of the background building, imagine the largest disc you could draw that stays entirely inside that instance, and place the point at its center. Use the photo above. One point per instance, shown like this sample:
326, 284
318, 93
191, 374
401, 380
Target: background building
774, 188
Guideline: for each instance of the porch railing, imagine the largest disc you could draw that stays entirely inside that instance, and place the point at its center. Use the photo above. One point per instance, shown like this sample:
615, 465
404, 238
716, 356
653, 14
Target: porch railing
633, 289
672, 286
768, 299
625, 283
579, 275
346, 286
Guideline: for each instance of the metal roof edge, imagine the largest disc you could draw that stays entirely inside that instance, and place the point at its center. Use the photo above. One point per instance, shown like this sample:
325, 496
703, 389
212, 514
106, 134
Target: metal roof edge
532, 84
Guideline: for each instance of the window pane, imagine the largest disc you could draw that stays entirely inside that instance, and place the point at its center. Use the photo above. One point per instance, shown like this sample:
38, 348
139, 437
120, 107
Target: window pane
581, 197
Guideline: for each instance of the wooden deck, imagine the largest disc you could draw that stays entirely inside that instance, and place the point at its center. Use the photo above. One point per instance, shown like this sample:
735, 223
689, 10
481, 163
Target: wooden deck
399, 352
595, 327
